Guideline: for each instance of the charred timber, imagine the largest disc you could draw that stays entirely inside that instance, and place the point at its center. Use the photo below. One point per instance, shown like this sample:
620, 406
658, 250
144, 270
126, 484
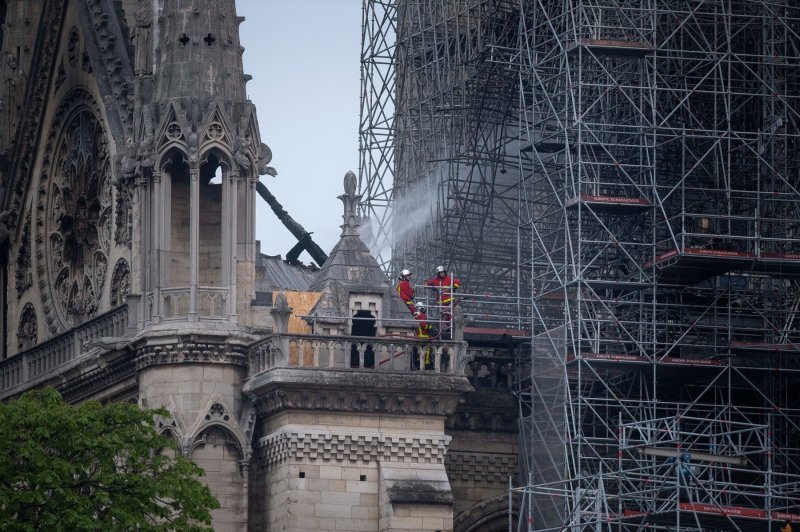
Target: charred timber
303, 237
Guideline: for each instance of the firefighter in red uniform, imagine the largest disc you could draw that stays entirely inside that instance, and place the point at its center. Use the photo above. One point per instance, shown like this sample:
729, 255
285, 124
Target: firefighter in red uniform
423, 330
445, 285
405, 290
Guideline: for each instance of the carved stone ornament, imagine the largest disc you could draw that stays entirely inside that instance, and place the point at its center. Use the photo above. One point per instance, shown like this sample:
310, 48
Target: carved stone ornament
355, 401
61, 75
31, 115
122, 219
73, 48
480, 466
22, 276
28, 332
188, 353
311, 447
215, 131
74, 213
120, 283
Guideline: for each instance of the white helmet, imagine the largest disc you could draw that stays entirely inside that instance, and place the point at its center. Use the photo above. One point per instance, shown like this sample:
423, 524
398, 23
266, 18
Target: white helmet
420, 307
404, 273
439, 269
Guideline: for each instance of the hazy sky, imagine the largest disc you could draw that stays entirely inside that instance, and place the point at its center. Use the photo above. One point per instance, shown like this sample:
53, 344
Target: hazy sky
304, 59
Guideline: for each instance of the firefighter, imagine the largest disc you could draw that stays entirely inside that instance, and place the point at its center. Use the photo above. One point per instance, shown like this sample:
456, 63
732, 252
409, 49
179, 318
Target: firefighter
423, 328
445, 285
405, 290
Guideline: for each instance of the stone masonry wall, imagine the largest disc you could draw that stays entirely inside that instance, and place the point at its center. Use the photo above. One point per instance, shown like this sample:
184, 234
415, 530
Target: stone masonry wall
327, 471
204, 401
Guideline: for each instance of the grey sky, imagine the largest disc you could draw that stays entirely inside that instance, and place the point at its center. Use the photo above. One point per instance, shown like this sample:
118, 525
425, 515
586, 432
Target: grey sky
304, 59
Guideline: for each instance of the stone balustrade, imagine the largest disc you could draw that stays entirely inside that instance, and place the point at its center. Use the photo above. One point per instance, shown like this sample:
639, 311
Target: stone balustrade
212, 304
49, 358
380, 354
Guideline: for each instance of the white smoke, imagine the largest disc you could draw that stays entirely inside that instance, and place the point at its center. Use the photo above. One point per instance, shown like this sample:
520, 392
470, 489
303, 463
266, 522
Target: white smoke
412, 208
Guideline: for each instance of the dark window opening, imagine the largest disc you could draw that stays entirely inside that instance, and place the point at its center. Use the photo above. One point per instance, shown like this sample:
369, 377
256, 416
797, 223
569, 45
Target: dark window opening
445, 362
209, 39
302, 474
369, 358
364, 324
3, 10
415, 360
183, 39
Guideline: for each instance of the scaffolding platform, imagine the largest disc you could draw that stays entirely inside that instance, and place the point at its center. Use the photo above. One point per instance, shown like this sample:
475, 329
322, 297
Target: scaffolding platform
611, 47
637, 359
694, 264
780, 263
612, 204
616, 285
711, 517
762, 347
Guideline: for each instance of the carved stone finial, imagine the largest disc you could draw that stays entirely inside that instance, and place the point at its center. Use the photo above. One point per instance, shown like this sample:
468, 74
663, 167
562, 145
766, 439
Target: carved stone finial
459, 322
350, 200
350, 183
280, 314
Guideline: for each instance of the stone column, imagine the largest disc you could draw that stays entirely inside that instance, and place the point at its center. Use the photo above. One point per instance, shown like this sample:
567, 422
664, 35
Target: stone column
156, 213
230, 251
194, 238
250, 234
140, 243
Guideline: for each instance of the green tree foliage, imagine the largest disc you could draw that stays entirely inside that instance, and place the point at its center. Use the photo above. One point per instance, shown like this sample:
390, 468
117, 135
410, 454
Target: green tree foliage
93, 467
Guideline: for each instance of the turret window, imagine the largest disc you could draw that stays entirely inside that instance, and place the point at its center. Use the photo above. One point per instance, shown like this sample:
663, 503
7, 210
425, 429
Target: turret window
209, 39
363, 324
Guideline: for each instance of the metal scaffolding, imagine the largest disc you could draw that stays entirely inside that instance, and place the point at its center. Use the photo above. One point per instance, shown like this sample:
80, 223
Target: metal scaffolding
441, 186
633, 167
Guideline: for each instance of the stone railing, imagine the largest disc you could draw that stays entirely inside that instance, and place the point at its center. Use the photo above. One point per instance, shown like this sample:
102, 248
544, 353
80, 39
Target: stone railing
212, 304
46, 360
382, 354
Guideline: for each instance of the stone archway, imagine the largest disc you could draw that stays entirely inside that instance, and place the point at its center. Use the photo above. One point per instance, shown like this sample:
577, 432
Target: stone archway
490, 515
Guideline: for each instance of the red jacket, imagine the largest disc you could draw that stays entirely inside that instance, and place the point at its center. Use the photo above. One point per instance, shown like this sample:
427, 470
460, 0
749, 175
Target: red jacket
443, 286
423, 329
406, 293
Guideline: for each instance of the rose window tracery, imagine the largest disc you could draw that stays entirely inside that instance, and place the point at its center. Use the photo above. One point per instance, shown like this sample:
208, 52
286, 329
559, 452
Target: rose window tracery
79, 224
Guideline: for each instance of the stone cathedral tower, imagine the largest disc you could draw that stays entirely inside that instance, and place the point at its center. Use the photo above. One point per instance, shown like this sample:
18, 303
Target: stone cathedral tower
129, 271
130, 156
192, 165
